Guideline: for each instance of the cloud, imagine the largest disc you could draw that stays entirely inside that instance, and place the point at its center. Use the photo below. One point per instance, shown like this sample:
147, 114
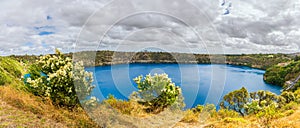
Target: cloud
37, 27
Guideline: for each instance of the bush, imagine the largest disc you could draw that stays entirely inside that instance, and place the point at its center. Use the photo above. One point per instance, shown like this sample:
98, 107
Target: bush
253, 107
158, 92
268, 113
289, 96
236, 100
55, 76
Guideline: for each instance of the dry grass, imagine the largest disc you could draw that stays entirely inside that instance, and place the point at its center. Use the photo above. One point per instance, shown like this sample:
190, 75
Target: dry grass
19, 108
40, 109
108, 116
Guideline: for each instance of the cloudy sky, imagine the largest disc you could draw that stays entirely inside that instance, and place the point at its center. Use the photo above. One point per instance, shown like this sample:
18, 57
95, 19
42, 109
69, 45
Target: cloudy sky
201, 26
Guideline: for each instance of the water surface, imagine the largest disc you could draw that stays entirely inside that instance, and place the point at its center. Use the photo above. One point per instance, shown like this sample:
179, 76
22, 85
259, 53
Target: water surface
200, 83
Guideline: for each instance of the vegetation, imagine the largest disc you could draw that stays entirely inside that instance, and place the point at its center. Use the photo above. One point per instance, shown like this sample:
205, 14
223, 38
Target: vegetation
158, 92
262, 61
19, 108
54, 79
279, 74
10, 69
54, 76
99, 58
236, 100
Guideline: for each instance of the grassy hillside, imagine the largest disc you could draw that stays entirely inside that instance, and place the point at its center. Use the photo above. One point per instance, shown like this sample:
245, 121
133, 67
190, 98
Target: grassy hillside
10, 70
19, 108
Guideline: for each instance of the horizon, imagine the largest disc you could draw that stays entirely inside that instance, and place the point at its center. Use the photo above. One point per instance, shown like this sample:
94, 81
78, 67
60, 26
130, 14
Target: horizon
152, 52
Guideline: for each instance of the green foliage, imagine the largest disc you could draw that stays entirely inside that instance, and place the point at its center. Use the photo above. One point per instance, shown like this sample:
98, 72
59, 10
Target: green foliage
4, 78
288, 96
253, 107
11, 66
268, 113
265, 98
10, 70
236, 100
297, 58
297, 95
275, 75
278, 75
240, 101
158, 92
59, 80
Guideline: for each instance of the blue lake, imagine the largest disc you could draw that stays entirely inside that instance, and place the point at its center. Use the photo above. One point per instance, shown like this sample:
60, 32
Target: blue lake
200, 83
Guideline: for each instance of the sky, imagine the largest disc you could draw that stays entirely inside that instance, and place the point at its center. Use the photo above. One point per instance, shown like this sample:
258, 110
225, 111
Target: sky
196, 26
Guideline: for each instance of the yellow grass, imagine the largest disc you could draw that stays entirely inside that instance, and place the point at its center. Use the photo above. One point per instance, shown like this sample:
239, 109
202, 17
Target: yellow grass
24, 102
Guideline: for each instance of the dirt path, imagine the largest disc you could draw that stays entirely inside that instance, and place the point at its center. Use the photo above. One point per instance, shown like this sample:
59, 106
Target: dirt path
12, 117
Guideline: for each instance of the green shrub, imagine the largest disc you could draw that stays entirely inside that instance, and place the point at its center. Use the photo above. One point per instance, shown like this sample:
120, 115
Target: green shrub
158, 92
278, 75
236, 100
56, 77
289, 96
268, 113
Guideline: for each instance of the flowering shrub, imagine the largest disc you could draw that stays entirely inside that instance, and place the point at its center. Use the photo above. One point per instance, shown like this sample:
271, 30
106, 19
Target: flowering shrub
54, 76
158, 92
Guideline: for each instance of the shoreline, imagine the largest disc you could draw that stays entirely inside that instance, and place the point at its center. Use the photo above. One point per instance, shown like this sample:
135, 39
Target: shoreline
168, 62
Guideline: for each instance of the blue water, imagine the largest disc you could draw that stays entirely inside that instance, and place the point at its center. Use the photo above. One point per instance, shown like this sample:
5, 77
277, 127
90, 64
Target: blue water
200, 83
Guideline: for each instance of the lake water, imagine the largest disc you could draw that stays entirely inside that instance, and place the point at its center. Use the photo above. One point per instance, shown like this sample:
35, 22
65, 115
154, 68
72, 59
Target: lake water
200, 83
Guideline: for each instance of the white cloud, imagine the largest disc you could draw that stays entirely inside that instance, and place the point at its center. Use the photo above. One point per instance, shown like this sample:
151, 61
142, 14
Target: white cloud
251, 26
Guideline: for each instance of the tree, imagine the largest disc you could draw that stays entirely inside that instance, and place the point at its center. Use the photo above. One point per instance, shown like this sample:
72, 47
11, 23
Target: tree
264, 98
253, 107
158, 92
55, 76
236, 100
